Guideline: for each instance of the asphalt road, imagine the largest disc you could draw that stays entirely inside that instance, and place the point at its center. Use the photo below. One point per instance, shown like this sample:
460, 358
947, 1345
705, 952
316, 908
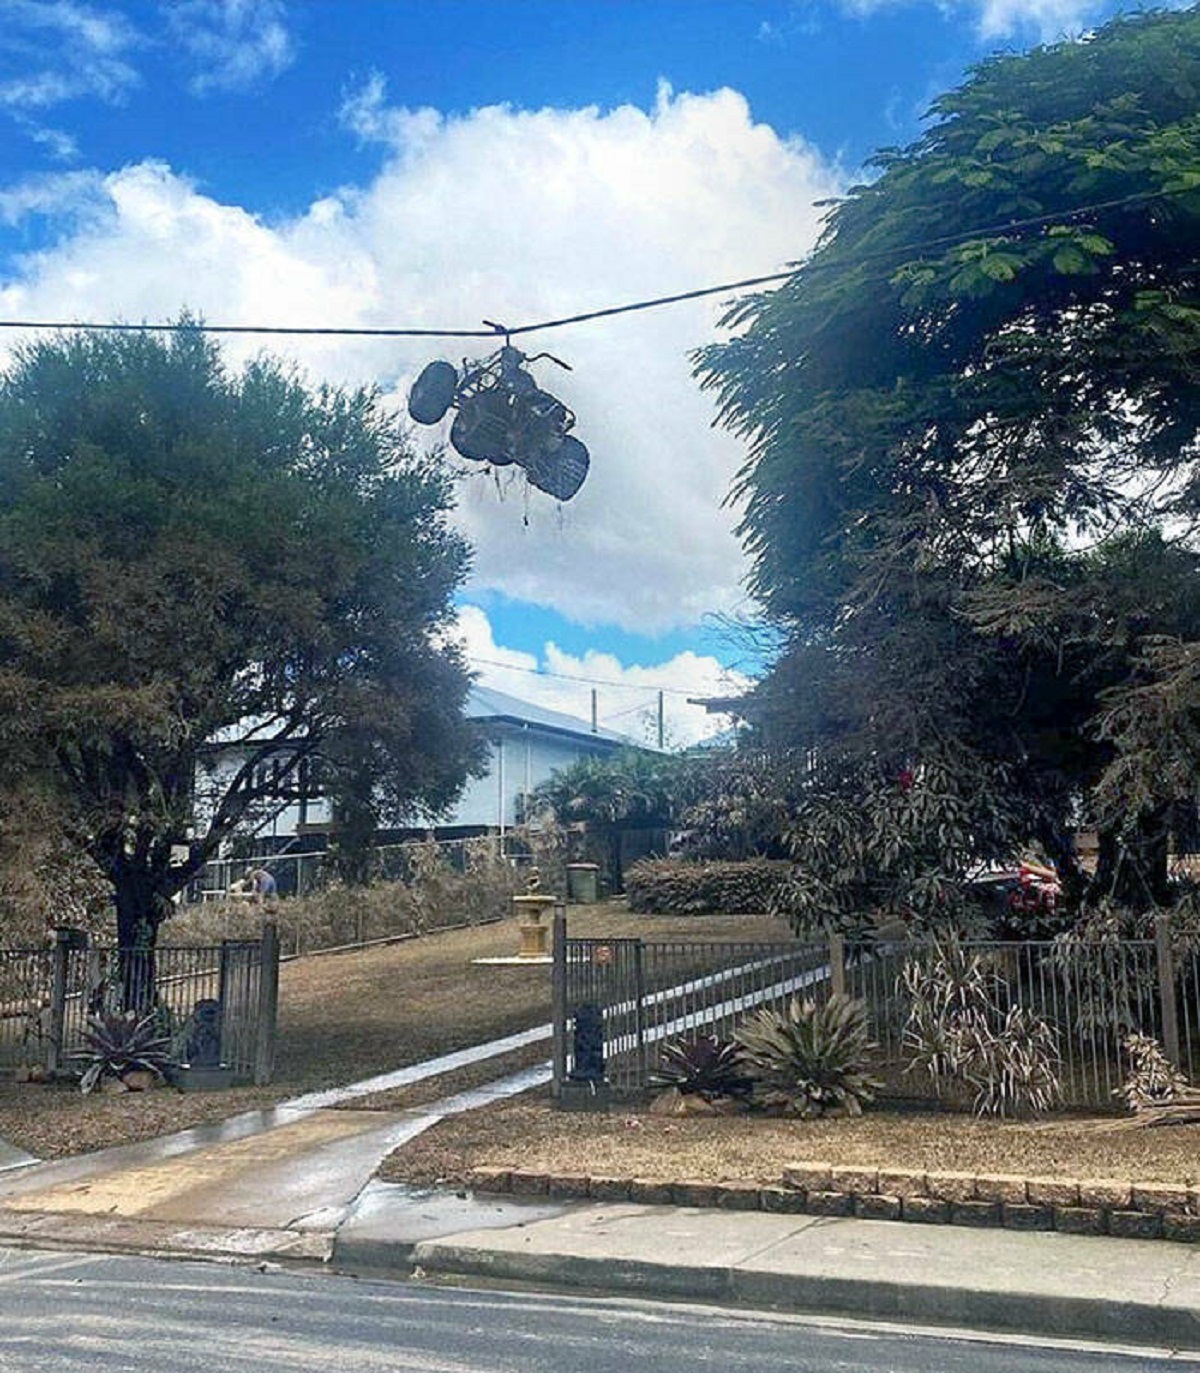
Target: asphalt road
106, 1313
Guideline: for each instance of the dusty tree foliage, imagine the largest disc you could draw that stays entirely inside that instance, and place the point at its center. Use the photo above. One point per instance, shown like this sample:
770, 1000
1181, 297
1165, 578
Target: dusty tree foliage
973, 488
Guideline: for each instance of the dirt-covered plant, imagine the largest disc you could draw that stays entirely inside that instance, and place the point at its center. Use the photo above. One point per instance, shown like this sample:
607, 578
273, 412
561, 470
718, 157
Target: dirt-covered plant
808, 1059
966, 1035
122, 1043
704, 1066
1153, 1079
1106, 982
1013, 1069
684, 886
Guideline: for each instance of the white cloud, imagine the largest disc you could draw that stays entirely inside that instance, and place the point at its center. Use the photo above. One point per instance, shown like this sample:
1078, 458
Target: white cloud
517, 216
626, 697
64, 193
1045, 20
234, 44
63, 51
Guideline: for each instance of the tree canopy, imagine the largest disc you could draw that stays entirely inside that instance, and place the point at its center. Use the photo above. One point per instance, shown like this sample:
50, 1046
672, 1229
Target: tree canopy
974, 480
194, 558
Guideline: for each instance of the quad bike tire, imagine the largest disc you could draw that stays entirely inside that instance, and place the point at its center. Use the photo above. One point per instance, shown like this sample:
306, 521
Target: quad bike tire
480, 435
432, 393
561, 471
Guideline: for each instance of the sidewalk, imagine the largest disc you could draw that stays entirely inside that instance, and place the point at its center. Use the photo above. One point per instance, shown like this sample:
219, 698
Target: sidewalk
1132, 1291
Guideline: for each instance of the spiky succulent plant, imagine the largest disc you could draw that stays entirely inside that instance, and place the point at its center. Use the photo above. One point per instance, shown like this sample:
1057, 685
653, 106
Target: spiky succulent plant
121, 1043
807, 1060
705, 1066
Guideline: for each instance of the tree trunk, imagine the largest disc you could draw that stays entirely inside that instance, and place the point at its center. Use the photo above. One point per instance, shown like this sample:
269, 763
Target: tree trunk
141, 907
1131, 867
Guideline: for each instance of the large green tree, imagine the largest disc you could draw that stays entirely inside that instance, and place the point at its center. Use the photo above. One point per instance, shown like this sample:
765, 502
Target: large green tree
192, 557
974, 480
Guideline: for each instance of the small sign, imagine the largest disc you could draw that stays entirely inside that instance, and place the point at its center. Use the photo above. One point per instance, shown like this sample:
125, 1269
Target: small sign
602, 954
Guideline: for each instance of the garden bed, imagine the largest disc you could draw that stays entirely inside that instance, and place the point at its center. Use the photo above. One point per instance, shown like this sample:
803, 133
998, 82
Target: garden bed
529, 1134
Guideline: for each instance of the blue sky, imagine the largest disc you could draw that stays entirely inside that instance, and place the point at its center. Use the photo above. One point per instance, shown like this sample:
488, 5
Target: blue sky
437, 162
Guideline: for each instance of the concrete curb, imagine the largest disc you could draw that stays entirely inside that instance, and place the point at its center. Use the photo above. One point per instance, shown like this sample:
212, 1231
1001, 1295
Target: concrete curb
164, 1239
1130, 1322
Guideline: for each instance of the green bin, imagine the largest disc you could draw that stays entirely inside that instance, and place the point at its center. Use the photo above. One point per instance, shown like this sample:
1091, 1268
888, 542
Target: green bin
581, 882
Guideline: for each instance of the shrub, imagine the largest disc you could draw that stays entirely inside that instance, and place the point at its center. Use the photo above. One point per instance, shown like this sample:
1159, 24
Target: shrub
705, 1066
666, 886
122, 1043
963, 1035
1153, 1079
808, 1060
434, 893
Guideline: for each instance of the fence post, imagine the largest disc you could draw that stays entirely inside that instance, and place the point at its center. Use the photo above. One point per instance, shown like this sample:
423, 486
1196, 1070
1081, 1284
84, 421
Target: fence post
837, 963
639, 992
558, 1003
268, 1006
56, 1029
1166, 987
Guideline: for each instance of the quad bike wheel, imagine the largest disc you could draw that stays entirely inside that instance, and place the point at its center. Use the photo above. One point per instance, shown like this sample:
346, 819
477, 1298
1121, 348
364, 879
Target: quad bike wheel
432, 393
480, 432
560, 472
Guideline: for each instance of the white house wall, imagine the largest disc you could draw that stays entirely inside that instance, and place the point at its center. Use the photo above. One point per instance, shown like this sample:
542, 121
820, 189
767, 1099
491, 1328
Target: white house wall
213, 779
519, 760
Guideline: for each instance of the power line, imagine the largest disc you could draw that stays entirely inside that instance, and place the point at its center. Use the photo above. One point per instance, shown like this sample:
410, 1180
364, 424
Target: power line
496, 331
586, 681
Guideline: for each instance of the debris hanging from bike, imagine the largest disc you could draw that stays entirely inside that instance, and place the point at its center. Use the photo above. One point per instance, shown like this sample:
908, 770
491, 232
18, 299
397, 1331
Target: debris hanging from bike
504, 418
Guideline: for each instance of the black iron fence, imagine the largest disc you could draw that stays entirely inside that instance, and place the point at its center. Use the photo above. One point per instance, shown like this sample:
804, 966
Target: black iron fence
617, 1000
223, 997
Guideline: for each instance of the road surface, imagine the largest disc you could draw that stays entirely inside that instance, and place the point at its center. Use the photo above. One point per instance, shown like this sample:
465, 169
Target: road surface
138, 1315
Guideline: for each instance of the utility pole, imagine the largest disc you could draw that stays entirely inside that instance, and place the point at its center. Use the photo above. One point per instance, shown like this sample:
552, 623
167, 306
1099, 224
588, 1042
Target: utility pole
595, 729
661, 731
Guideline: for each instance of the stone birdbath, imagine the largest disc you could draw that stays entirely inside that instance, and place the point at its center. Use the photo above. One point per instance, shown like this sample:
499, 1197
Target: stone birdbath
532, 906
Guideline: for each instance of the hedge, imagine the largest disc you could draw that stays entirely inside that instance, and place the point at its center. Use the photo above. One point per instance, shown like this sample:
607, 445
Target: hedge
676, 886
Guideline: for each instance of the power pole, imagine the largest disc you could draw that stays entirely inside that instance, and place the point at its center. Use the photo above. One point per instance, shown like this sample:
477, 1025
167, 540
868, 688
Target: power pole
661, 731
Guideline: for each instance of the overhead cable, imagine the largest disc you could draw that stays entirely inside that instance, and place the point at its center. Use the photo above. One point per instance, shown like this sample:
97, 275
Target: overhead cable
503, 331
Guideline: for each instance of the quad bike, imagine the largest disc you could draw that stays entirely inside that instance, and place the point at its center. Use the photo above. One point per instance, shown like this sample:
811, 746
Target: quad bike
504, 417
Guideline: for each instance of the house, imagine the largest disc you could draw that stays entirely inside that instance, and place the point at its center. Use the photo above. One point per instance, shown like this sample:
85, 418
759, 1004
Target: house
526, 744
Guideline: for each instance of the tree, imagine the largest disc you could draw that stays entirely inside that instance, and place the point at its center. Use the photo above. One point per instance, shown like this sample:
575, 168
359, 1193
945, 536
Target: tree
630, 790
974, 477
191, 557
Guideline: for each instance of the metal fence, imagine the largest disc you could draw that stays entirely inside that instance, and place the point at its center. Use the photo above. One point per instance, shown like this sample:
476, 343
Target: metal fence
616, 1000
226, 993
299, 874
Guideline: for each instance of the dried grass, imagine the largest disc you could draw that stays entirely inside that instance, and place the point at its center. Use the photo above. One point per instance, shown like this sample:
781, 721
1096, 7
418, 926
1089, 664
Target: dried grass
531, 1134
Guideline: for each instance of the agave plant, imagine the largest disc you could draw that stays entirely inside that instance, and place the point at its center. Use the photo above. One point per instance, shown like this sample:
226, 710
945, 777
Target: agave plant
121, 1043
706, 1066
808, 1060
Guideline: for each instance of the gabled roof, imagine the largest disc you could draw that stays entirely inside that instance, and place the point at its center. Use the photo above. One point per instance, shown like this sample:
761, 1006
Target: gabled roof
485, 703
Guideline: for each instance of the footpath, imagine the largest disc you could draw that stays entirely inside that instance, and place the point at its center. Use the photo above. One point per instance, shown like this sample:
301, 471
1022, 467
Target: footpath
295, 1185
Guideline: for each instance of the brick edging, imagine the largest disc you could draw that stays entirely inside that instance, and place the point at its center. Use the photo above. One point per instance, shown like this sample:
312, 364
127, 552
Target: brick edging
1071, 1206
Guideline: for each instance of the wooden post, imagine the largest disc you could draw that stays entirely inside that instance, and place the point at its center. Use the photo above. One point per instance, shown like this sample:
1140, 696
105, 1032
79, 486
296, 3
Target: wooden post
558, 1003
837, 963
268, 1006
56, 1028
1166, 987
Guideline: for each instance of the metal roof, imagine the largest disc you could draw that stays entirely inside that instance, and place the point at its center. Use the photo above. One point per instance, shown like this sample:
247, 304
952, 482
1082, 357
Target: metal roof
485, 703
